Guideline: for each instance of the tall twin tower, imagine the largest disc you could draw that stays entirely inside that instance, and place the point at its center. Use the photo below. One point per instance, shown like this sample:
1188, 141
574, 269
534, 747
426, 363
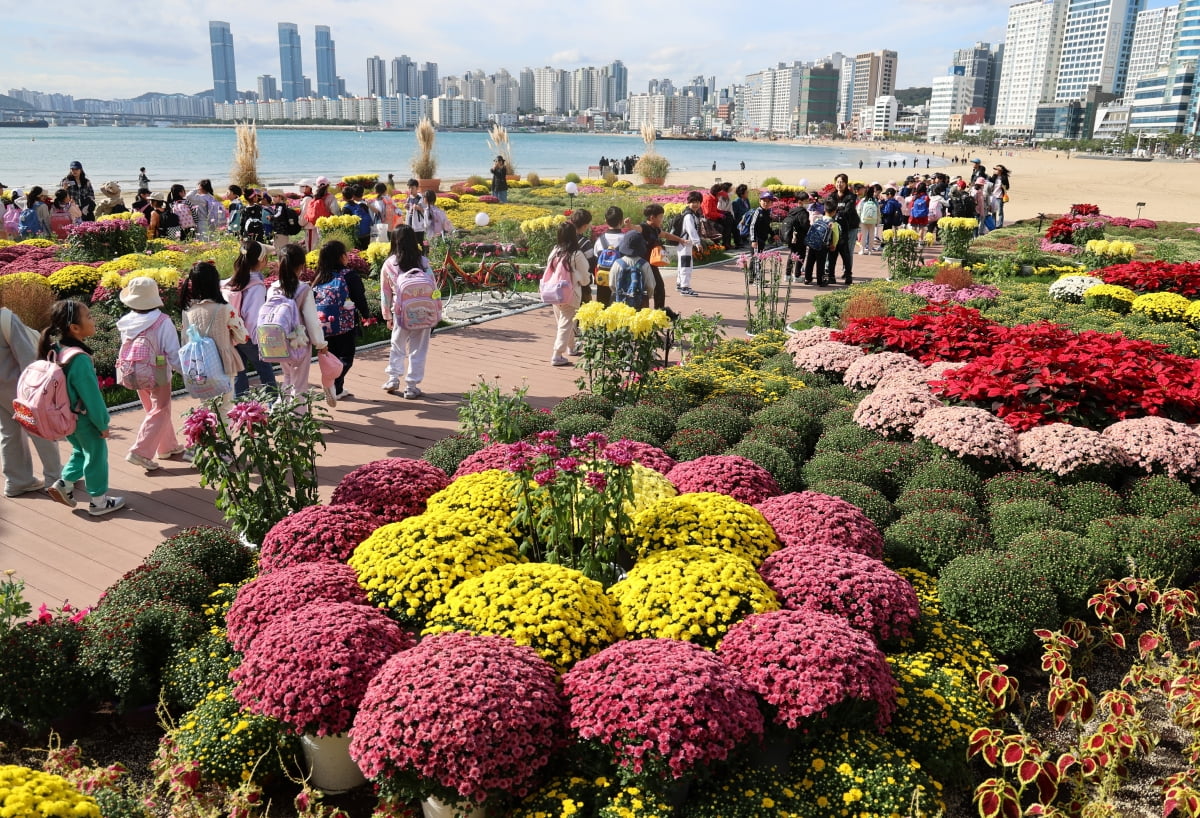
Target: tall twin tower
292, 84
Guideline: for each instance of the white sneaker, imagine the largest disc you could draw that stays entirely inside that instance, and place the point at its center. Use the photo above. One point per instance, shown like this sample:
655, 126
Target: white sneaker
343, 395
412, 393
330, 397
392, 385
145, 462
105, 505
60, 492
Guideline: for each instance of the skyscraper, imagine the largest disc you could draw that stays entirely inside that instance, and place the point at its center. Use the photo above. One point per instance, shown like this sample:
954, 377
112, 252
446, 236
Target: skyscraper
977, 63
268, 89
327, 80
427, 80
1153, 39
1096, 39
404, 77
224, 72
874, 76
291, 70
620, 77
1031, 58
376, 77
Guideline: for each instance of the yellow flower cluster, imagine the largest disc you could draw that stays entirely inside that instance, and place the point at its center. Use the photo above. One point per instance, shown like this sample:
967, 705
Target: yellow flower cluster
167, 258
704, 519
36, 242
560, 797
730, 372
957, 223
618, 316
937, 709
649, 488
622, 184
166, 278
857, 773
7, 242
542, 224
786, 191
127, 216
347, 222
1111, 297
364, 179
408, 567
480, 189
230, 745
122, 264
376, 253
484, 494
463, 218
1114, 249
635, 802
25, 793
1059, 270
74, 277
35, 279
900, 234
1162, 306
557, 611
694, 594
468, 198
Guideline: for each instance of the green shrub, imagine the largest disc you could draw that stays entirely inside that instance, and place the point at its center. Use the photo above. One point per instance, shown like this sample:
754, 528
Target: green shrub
951, 475
741, 402
896, 461
1158, 495
688, 444
1011, 520
926, 500
1015, 485
579, 425
813, 401
583, 403
670, 401
727, 423
186, 585
782, 437
929, 540
869, 501
1084, 502
659, 423
842, 416
814, 380
41, 677
1157, 549
531, 421
229, 744
215, 551
617, 431
851, 466
449, 452
1075, 566
572, 177
807, 426
199, 669
848, 438
1001, 596
780, 364
778, 462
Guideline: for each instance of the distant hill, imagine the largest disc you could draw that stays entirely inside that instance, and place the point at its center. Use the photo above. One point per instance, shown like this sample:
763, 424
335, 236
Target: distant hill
12, 102
913, 96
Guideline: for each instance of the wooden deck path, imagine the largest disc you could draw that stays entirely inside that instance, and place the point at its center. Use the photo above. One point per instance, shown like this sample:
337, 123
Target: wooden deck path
64, 555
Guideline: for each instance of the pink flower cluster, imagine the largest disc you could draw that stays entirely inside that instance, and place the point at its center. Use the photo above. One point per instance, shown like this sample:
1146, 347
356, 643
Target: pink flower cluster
863, 591
649, 456
259, 602
198, 424
394, 488
316, 534
1062, 449
808, 519
827, 356
1059, 247
867, 371
23, 258
310, 668
969, 432
738, 477
247, 416
476, 714
1159, 445
1145, 224
495, 456
655, 701
804, 663
944, 292
893, 411
109, 226
807, 338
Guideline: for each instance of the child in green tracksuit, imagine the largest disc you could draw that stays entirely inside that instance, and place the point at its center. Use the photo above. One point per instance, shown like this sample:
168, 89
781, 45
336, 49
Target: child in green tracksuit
71, 324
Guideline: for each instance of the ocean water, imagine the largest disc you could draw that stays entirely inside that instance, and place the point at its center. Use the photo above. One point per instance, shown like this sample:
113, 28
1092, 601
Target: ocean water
185, 155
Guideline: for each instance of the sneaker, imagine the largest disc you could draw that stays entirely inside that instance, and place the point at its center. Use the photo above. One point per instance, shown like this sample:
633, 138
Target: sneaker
392, 385
343, 395
688, 291
60, 492
330, 397
576, 351
105, 505
145, 462
17, 491
188, 455
559, 362
179, 451
412, 393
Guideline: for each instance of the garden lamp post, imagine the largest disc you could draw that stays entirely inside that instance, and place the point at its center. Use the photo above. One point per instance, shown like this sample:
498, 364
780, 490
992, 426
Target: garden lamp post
1140, 205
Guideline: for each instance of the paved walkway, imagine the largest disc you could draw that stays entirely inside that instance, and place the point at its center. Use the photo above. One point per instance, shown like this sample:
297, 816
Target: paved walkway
70, 555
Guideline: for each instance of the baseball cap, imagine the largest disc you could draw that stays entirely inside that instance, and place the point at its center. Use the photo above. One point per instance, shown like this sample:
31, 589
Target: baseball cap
76, 165
976, 161
766, 194
322, 180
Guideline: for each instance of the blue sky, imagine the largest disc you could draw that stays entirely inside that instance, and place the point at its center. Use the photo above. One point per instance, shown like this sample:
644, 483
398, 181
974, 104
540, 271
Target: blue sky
102, 48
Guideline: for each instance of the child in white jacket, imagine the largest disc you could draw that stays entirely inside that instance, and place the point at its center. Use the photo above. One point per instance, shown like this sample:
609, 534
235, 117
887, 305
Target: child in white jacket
156, 435
295, 373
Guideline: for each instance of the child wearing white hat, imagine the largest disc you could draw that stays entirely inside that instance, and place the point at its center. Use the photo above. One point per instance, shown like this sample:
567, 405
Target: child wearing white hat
149, 351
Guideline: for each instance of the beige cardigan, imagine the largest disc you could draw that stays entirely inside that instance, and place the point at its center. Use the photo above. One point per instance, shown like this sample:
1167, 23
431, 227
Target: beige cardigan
221, 323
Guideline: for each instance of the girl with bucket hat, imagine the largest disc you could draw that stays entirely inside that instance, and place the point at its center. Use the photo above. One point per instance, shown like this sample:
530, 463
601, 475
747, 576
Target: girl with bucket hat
149, 351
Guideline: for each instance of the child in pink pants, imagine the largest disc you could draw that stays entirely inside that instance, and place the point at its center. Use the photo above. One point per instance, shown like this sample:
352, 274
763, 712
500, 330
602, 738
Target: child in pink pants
160, 339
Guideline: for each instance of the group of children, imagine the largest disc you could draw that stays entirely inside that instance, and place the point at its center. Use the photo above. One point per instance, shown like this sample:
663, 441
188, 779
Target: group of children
242, 322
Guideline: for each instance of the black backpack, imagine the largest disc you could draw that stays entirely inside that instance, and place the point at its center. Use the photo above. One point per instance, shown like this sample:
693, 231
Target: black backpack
287, 223
795, 227
961, 207
818, 235
676, 226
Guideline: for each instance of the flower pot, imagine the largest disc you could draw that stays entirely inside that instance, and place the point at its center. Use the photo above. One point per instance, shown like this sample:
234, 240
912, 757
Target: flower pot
429, 184
331, 768
1026, 269
657, 181
952, 260
433, 808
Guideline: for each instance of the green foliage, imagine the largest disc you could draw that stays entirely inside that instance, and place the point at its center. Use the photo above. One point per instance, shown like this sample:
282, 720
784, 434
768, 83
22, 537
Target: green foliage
741, 402
871, 502
583, 403
688, 444
829, 306
580, 425
657, 422
848, 438
853, 466
215, 551
1014, 485
951, 475
198, 670
1084, 502
781, 437
780, 364
896, 462
1075, 566
842, 416
926, 500
671, 401
1156, 549
184, 584
529, 421
1001, 596
449, 452
777, 461
572, 177
729, 424
41, 677
929, 540
814, 401
487, 410
1011, 520
1158, 495
806, 426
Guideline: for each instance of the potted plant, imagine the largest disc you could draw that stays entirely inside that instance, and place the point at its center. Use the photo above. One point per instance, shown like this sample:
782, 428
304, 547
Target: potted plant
1028, 254
957, 233
651, 165
231, 745
424, 165
500, 145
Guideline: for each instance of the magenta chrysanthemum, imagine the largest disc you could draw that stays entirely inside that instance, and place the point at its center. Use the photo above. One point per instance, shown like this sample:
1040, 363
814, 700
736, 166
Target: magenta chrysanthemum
649, 456
806, 518
316, 534
495, 456
739, 477
269, 596
394, 488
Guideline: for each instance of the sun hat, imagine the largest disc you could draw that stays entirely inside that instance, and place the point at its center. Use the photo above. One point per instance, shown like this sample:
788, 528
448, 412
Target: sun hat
633, 244
304, 183
322, 180
159, 197
76, 165
141, 293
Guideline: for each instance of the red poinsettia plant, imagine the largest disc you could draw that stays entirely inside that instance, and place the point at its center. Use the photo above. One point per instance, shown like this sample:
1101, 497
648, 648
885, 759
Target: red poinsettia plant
1154, 276
939, 332
1085, 210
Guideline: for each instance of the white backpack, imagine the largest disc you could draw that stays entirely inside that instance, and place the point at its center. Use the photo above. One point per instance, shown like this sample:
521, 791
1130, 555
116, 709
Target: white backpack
281, 335
203, 373
413, 301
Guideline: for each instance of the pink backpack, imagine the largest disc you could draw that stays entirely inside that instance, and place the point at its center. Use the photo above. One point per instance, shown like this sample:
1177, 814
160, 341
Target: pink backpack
139, 364
42, 405
556, 287
12, 220
279, 333
414, 304
184, 211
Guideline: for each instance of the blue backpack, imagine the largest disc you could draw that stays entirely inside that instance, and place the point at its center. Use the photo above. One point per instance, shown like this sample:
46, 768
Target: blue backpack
364, 217
331, 299
743, 226
29, 224
818, 234
629, 283
920, 207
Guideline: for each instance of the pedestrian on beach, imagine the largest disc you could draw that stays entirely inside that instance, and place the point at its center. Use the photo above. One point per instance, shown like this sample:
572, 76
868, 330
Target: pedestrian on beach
79, 187
158, 350
414, 211
295, 371
610, 239
566, 255
112, 202
406, 268
143, 179
714, 166
18, 349
245, 291
437, 223
204, 307
846, 216
691, 240
71, 325
500, 179
341, 298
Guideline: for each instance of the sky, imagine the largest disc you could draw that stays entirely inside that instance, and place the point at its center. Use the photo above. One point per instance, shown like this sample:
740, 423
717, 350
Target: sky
108, 49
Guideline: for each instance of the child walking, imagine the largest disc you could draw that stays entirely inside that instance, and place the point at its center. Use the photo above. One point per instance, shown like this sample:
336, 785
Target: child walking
296, 371
341, 298
71, 325
146, 320
205, 309
406, 263
566, 253
246, 291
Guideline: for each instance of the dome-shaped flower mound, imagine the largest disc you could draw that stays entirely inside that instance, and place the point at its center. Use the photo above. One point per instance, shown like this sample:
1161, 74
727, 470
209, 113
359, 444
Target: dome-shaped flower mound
827, 357
864, 592
805, 662
807, 338
867, 371
316, 534
394, 488
484, 494
495, 456
649, 456
692, 594
1062, 449
807, 518
657, 702
739, 477
410, 566
555, 610
969, 432
1156, 444
649, 488
310, 668
704, 519
281, 592
28, 792
475, 714
894, 410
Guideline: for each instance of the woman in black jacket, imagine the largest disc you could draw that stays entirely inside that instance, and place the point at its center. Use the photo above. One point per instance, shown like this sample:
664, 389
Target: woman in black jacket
847, 218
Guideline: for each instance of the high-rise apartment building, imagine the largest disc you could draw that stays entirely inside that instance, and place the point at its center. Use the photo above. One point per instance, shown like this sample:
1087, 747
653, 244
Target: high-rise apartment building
376, 77
1153, 40
268, 88
786, 99
953, 94
224, 72
874, 76
551, 90
527, 99
1096, 40
404, 77
327, 79
427, 80
619, 76
291, 67
846, 89
979, 69
1031, 58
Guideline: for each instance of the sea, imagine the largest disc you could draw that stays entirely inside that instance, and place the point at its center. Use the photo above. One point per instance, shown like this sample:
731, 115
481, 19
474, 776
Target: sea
185, 155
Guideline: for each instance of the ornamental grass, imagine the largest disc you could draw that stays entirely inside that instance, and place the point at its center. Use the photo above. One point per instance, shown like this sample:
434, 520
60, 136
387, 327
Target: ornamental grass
555, 610
703, 519
808, 518
693, 594
740, 478
394, 488
316, 534
260, 601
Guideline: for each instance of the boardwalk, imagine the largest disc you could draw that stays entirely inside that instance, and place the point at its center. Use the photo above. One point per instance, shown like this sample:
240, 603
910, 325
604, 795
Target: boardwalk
63, 555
